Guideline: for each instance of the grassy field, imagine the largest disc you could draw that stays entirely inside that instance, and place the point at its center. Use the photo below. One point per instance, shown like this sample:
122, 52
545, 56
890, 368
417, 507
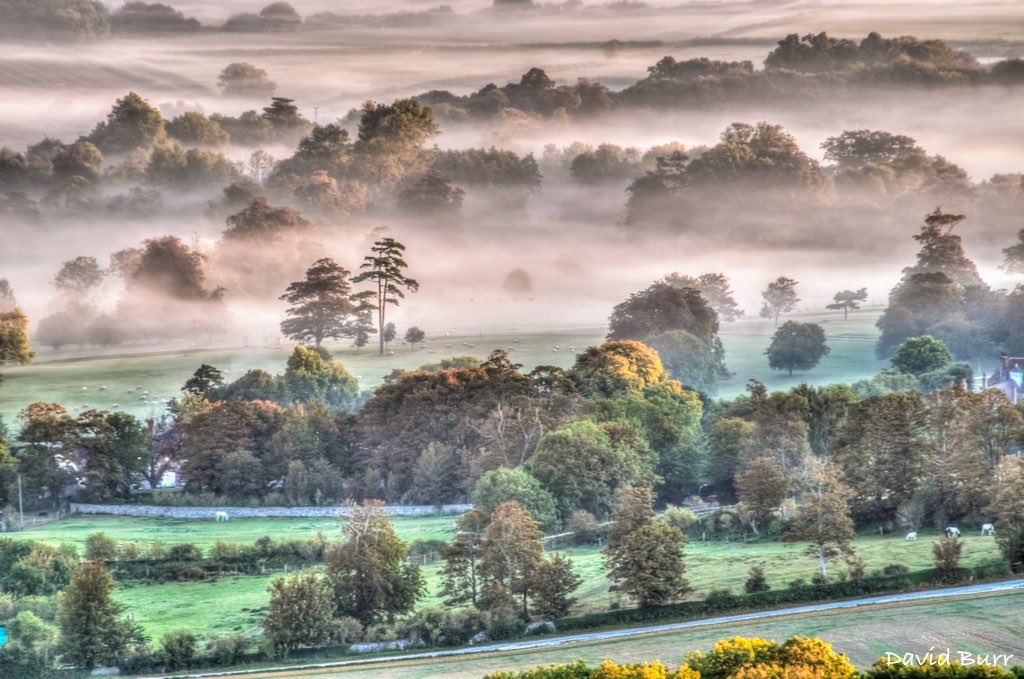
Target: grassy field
77, 382
233, 604
77, 528
983, 625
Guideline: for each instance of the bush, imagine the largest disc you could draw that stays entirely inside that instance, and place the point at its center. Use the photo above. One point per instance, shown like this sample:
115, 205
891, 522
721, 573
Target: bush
347, 630
895, 569
756, 582
179, 649
223, 550
680, 517
503, 622
8, 607
799, 583
129, 551
157, 551
185, 551
946, 553
100, 547
585, 528
227, 650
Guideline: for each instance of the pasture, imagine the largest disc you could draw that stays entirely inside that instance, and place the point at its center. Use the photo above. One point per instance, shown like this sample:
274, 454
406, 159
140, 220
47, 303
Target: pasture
140, 383
235, 604
982, 625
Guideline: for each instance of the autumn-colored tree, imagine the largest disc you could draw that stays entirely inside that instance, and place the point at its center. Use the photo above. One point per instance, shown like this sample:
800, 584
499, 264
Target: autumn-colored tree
762, 488
644, 556
1007, 508
300, 612
509, 555
617, 368
552, 585
881, 451
796, 657
823, 519
368, 572
14, 344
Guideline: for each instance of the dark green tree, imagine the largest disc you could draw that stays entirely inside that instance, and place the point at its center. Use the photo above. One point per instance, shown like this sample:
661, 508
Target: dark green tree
920, 355
797, 346
132, 124
322, 305
205, 379
300, 612
848, 299
92, 631
385, 270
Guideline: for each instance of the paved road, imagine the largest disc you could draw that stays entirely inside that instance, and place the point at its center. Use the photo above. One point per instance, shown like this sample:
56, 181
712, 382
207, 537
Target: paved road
550, 642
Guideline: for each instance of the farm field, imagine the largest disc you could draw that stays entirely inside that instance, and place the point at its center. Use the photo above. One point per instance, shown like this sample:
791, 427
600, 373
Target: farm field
234, 604
982, 625
53, 379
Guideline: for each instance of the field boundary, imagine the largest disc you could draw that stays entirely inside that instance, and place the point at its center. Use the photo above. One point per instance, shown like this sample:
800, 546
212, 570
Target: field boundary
154, 511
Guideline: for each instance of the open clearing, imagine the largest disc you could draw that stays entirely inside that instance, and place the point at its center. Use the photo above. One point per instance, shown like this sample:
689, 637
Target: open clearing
58, 380
235, 604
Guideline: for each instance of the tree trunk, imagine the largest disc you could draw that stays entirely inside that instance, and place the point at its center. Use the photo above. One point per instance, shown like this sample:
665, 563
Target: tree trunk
822, 564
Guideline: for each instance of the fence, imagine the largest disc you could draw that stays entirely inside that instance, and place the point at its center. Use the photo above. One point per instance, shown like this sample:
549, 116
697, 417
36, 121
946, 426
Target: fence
258, 512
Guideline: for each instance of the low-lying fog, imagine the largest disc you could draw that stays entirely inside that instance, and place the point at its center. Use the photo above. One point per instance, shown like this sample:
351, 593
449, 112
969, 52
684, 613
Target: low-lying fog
580, 258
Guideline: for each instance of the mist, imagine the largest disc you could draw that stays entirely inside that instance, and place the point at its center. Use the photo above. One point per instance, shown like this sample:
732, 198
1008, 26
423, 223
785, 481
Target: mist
572, 239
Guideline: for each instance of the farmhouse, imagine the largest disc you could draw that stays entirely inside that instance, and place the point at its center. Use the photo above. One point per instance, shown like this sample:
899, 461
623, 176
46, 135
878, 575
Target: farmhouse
1007, 378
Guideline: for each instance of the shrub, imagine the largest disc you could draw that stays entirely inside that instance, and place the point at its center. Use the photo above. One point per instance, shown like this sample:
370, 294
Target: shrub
756, 582
680, 517
585, 528
227, 650
179, 649
503, 622
799, 583
223, 550
347, 630
185, 551
100, 547
129, 551
895, 569
157, 551
8, 607
946, 553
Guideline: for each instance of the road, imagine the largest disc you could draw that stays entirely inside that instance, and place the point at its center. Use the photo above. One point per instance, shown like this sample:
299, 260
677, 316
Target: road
552, 642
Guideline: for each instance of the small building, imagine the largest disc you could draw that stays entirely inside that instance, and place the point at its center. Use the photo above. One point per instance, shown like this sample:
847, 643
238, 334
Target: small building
1008, 378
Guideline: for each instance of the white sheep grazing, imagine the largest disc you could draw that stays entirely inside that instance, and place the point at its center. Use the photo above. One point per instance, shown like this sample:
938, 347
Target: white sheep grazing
912, 535
221, 516
988, 529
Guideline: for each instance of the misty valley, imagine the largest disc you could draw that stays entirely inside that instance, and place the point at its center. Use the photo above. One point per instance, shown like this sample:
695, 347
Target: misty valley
608, 339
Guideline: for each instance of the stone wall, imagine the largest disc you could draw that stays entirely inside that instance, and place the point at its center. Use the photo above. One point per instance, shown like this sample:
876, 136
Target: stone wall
257, 512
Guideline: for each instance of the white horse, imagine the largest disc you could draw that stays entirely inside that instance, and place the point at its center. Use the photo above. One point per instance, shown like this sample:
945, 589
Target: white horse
988, 529
912, 535
221, 516
952, 532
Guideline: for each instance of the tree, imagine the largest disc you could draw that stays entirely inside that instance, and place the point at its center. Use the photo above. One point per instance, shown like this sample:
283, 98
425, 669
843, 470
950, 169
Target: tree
8, 302
31, 647
1013, 256
308, 377
131, 124
242, 79
799, 346
460, 576
368, 573
661, 307
824, 516
192, 128
920, 355
644, 556
79, 277
322, 305
385, 269
114, 446
510, 553
14, 346
391, 139
779, 298
583, 464
389, 334
762, 488
1007, 508
203, 380
179, 649
48, 458
552, 585
431, 194
414, 336
715, 289
848, 299
300, 612
92, 631
499, 486
81, 159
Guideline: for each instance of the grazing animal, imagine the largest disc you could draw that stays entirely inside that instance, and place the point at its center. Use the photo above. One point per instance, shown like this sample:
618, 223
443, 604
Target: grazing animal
952, 532
988, 529
222, 516
912, 535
